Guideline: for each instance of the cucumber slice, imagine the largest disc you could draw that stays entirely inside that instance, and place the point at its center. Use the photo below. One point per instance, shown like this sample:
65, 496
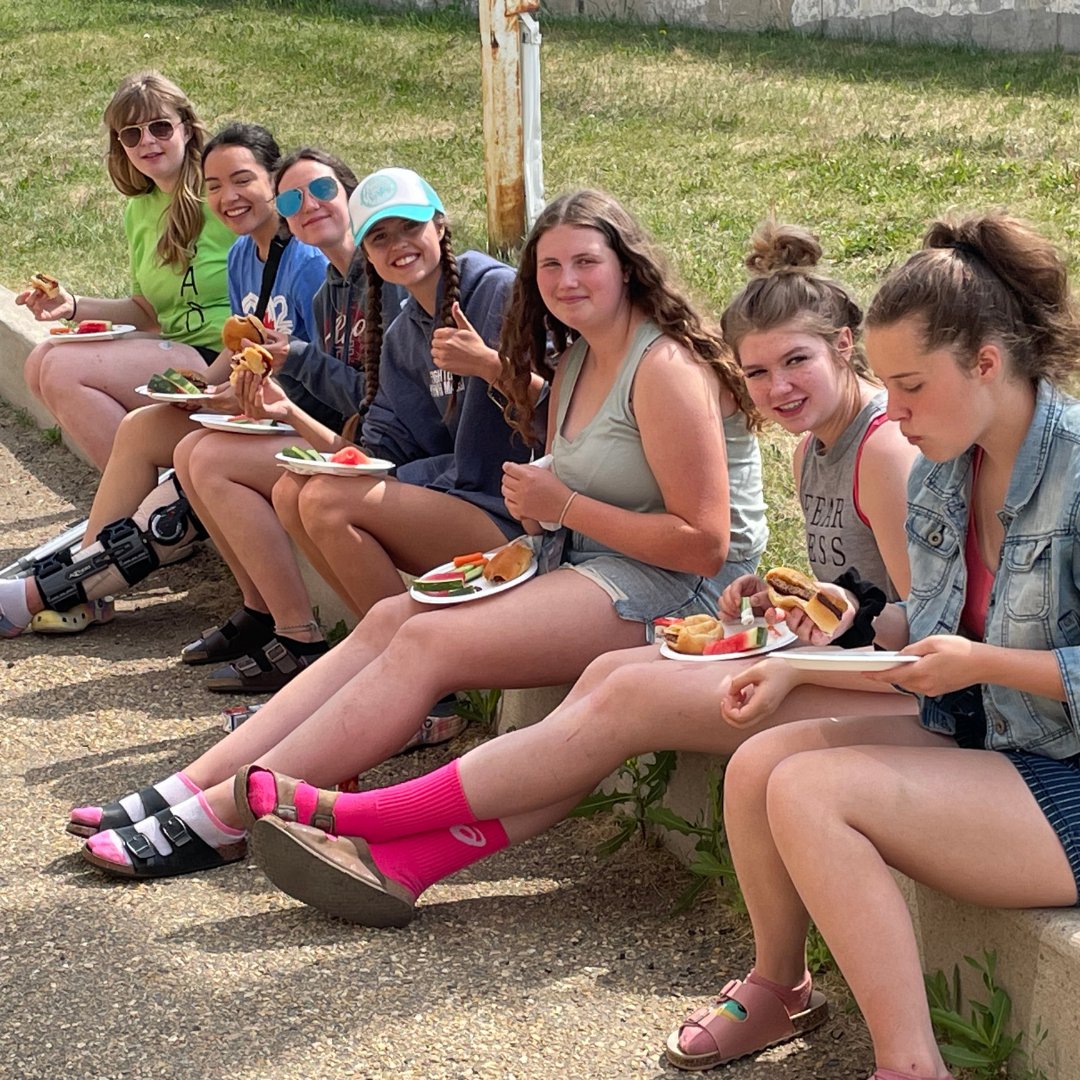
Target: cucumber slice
472, 570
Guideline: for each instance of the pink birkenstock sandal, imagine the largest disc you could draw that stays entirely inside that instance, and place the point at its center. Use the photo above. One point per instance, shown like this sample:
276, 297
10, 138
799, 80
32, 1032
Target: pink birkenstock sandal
745, 1019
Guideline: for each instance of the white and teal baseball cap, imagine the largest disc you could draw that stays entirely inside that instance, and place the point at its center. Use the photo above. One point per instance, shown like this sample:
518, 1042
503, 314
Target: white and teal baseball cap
391, 193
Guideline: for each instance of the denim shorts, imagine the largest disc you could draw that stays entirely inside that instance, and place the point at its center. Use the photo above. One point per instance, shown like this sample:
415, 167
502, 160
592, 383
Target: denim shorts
642, 592
1056, 787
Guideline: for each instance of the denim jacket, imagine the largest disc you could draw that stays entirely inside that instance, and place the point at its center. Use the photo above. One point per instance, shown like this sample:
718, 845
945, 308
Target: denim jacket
1035, 600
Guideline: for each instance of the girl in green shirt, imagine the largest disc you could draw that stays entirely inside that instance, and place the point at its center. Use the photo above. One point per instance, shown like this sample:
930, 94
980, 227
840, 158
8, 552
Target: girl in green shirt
179, 296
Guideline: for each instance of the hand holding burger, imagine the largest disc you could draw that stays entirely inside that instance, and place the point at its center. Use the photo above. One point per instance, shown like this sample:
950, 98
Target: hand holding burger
253, 358
815, 611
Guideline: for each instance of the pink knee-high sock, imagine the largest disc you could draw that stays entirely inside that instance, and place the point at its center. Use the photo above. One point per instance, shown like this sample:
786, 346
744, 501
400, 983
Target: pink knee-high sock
429, 802
420, 860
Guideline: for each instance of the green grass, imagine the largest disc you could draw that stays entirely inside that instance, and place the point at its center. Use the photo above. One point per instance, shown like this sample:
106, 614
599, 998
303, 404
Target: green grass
700, 133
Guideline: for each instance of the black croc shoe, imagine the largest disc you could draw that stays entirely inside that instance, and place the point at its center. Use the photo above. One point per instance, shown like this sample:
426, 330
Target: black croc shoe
237, 636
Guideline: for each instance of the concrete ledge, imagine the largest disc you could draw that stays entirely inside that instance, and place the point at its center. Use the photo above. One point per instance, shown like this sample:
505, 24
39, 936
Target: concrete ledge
1038, 951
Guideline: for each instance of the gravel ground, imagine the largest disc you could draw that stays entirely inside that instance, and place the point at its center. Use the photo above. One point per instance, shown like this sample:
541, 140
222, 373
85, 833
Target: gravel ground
542, 962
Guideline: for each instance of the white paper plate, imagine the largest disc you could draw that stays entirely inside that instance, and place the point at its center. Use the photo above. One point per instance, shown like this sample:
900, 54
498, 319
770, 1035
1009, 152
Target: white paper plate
221, 422
774, 641
326, 467
485, 587
101, 335
157, 395
845, 660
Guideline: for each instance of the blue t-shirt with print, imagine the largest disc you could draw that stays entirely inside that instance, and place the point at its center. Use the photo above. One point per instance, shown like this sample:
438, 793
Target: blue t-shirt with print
299, 274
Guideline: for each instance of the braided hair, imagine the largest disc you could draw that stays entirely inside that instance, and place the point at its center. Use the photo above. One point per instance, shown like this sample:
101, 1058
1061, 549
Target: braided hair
373, 316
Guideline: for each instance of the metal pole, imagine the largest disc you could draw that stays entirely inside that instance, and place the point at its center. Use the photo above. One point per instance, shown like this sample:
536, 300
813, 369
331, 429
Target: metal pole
500, 36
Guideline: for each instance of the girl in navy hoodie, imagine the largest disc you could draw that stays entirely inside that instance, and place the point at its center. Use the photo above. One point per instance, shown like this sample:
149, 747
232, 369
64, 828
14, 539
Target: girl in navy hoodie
424, 399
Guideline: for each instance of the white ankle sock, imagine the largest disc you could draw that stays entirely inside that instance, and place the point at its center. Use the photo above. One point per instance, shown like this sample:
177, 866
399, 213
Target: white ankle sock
194, 812
173, 789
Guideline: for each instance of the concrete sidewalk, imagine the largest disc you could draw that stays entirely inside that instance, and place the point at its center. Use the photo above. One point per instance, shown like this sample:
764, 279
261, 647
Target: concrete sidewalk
542, 962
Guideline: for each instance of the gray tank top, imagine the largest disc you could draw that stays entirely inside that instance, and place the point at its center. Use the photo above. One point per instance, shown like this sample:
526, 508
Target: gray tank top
606, 460
837, 536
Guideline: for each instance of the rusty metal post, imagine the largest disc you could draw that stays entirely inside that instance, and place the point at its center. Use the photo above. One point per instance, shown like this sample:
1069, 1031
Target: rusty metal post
504, 181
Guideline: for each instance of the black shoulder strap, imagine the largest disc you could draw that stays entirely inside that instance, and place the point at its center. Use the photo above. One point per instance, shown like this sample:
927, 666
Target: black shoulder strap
273, 260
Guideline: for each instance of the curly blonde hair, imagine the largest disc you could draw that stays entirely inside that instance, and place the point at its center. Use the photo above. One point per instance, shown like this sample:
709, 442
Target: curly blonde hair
145, 96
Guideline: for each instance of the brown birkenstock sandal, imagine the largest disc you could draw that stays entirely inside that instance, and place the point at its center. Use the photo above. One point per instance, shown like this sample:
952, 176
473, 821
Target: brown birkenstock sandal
335, 874
285, 800
745, 1019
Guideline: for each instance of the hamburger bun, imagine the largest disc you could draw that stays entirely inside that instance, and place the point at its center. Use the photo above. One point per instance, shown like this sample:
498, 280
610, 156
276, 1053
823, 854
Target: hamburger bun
254, 358
45, 283
790, 589
238, 327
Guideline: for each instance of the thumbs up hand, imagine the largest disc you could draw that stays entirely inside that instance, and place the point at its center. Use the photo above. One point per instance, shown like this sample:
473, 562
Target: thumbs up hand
460, 349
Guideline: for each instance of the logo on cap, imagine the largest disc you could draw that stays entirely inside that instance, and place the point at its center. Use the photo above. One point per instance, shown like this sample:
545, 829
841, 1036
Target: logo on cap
378, 190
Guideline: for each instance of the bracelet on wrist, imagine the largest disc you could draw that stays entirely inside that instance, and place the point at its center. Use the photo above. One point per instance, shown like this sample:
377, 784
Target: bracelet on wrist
566, 506
74, 306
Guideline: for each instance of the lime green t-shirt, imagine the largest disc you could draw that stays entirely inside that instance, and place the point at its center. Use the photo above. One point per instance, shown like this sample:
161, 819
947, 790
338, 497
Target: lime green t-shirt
192, 305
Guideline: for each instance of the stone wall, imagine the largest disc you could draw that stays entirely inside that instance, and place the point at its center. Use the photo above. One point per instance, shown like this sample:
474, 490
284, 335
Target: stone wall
1015, 25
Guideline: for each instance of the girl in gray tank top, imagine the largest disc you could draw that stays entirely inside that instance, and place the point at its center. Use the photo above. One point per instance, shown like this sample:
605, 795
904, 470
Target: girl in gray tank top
628, 702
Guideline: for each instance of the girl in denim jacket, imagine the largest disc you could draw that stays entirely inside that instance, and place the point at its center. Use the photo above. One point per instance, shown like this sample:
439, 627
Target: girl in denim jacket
981, 799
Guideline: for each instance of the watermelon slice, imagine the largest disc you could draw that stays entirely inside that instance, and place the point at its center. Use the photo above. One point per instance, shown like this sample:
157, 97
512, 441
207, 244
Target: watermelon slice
741, 642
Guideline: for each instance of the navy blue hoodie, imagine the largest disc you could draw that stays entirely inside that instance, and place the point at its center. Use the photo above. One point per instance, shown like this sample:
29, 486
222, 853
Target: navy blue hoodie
318, 377
457, 449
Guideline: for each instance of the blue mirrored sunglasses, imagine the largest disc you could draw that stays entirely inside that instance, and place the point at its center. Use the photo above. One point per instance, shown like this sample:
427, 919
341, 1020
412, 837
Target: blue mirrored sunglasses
323, 188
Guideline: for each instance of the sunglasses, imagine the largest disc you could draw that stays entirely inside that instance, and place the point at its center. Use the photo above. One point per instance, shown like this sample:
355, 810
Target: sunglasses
323, 188
131, 136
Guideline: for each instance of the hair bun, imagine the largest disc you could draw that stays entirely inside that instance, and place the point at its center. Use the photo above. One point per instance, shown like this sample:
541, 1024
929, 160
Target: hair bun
776, 246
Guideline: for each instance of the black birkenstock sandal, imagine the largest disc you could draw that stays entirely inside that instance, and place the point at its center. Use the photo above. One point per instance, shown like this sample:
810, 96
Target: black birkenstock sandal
265, 673
237, 636
190, 853
114, 816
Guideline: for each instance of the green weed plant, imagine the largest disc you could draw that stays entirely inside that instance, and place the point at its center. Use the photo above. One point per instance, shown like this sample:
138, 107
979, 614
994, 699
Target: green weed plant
976, 1039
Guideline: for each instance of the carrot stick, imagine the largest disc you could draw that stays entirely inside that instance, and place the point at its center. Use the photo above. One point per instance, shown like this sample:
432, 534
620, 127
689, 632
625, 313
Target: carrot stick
466, 560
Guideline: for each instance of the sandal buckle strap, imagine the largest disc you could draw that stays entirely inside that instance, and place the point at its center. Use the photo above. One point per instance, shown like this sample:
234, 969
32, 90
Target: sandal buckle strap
281, 658
247, 667
139, 846
176, 832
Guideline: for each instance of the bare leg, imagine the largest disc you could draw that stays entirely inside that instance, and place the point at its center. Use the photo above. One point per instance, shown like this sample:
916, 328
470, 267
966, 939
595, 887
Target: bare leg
778, 916
32, 367
286, 499
508, 641
960, 821
368, 529
89, 387
228, 479
637, 708
144, 443
293, 705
